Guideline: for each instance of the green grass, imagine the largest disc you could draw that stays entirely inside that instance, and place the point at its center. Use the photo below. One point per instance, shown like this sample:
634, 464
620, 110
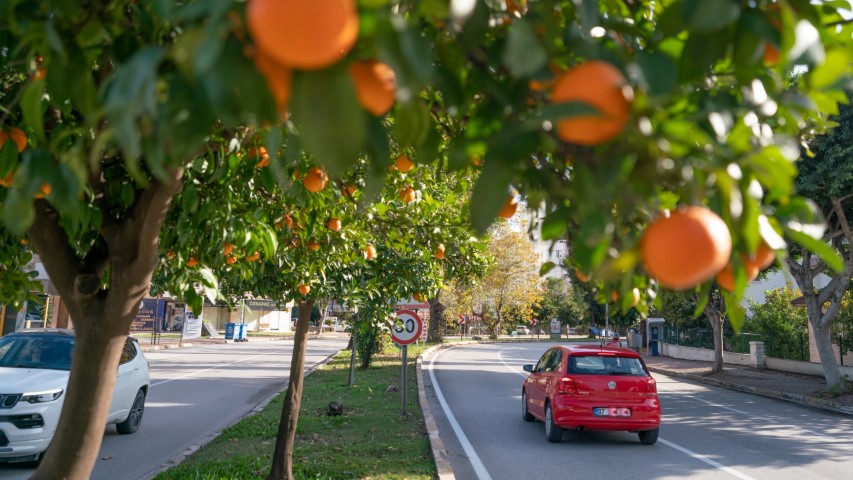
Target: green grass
371, 440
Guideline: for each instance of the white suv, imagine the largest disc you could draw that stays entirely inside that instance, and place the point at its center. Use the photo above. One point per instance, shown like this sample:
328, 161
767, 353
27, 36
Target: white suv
34, 370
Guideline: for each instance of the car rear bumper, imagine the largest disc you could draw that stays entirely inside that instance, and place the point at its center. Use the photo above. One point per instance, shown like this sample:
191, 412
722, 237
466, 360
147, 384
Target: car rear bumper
569, 413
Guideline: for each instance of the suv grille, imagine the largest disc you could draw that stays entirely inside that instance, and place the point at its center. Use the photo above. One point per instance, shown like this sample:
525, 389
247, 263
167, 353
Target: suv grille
9, 400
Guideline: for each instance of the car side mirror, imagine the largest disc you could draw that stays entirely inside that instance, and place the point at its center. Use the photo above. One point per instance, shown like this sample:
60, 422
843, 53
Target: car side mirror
527, 368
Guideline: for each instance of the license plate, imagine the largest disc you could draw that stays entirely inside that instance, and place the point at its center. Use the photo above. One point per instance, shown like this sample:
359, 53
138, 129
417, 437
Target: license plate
611, 412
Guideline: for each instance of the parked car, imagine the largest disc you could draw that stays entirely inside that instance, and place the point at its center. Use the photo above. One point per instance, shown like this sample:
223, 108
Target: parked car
522, 330
584, 387
34, 370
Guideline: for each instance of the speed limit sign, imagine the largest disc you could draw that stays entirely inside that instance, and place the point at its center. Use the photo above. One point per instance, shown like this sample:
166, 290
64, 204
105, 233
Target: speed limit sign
407, 327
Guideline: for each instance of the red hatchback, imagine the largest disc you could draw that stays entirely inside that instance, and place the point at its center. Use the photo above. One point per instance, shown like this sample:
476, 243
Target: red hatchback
583, 387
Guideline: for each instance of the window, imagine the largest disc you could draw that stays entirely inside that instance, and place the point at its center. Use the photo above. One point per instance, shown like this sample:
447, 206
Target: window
555, 361
605, 365
129, 352
544, 362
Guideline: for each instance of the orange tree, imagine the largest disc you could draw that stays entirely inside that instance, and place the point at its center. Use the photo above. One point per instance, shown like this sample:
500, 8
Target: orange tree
605, 113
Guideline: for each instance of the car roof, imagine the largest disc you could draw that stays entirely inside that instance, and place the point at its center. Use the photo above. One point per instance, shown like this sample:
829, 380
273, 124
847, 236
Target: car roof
44, 331
596, 349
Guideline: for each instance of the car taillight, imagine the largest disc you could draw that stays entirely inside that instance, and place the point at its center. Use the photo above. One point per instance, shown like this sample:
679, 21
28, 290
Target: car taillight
567, 385
651, 388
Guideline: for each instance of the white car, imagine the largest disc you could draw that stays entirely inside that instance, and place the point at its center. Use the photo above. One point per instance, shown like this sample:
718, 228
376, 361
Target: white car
34, 370
522, 330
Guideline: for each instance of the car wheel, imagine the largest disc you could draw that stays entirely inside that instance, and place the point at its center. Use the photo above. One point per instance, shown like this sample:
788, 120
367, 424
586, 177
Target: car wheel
553, 433
525, 415
134, 418
648, 437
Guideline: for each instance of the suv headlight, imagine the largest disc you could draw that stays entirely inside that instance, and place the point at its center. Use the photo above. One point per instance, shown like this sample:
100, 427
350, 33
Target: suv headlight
42, 397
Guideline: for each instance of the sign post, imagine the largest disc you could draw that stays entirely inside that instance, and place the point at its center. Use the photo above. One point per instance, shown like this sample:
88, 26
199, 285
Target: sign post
407, 329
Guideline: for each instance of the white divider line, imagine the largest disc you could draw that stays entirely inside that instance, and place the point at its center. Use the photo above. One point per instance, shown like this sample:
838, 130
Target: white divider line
707, 460
476, 463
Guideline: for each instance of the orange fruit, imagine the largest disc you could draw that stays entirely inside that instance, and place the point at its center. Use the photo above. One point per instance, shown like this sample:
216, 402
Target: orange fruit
763, 257
514, 7
170, 254
334, 224
307, 35
369, 252
315, 180
407, 194
403, 163
253, 257
314, 246
192, 262
304, 289
288, 221
7, 180
581, 276
230, 259
39, 74
601, 85
686, 248
375, 85
439, 252
726, 277
228, 248
509, 208
771, 52
17, 135
348, 190
279, 78
44, 190
419, 297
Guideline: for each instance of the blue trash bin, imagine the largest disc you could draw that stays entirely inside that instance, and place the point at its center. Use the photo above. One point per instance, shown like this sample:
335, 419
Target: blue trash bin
241, 333
230, 329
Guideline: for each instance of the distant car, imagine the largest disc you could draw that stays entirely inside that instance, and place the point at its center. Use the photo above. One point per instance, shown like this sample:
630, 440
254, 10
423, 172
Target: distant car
584, 387
34, 370
571, 331
522, 330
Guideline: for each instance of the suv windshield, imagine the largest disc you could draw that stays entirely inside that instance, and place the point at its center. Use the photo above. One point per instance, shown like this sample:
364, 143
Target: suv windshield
49, 351
605, 365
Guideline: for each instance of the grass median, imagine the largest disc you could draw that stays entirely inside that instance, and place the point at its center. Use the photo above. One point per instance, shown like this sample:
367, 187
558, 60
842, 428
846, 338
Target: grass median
370, 440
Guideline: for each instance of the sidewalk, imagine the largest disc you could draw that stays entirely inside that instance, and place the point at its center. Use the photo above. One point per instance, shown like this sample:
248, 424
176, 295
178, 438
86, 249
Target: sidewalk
802, 389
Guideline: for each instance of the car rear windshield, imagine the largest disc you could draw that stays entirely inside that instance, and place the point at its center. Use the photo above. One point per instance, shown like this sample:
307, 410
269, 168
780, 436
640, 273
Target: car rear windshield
605, 365
36, 351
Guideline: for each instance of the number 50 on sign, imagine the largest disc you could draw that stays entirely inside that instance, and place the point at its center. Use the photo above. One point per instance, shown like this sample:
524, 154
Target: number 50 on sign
407, 327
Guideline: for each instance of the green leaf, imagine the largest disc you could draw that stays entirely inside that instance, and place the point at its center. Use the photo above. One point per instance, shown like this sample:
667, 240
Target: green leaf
18, 212
332, 124
209, 283
818, 247
411, 123
705, 17
700, 53
831, 70
33, 108
8, 158
659, 72
545, 268
554, 225
523, 54
489, 194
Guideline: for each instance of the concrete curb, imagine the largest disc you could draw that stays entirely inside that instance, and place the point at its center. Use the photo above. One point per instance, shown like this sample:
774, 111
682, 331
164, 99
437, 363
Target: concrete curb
439, 452
805, 400
256, 409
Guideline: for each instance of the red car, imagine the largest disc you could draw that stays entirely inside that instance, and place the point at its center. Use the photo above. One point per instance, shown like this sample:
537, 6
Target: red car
590, 387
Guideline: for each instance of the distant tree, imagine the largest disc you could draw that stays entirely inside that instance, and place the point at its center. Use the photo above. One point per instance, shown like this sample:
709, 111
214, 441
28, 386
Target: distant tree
782, 322
563, 301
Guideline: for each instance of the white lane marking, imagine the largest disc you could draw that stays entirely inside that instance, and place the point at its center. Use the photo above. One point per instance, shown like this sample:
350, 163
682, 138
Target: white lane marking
476, 463
514, 369
161, 382
707, 460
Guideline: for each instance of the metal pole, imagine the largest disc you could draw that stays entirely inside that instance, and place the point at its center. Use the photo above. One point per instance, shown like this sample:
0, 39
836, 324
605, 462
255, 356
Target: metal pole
405, 379
607, 316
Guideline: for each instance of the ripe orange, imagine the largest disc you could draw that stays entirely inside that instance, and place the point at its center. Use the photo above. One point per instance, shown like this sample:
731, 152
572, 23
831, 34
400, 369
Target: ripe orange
600, 85
407, 194
581, 276
369, 252
253, 257
230, 259
17, 135
304, 289
288, 221
439, 252
8, 179
334, 224
348, 190
170, 254
39, 74
192, 262
403, 163
686, 248
763, 257
279, 78
419, 297
308, 35
509, 208
44, 190
726, 277
228, 248
315, 180
375, 85
314, 246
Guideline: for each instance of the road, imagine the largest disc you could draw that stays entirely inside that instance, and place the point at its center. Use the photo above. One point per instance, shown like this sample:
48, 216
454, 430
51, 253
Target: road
195, 393
706, 433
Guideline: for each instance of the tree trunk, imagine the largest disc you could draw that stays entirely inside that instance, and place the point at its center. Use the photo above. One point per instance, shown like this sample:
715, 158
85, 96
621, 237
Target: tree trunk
714, 313
354, 344
823, 343
282, 461
437, 321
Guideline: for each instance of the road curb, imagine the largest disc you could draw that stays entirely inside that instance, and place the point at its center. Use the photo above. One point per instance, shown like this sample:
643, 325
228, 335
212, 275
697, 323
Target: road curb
805, 400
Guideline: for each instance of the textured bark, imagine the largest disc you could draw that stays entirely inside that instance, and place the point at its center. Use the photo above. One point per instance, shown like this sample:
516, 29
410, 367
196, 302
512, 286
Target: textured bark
715, 317
282, 461
437, 322
102, 317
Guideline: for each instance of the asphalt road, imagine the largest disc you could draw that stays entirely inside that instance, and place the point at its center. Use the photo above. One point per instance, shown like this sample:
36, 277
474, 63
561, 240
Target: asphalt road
195, 393
706, 433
